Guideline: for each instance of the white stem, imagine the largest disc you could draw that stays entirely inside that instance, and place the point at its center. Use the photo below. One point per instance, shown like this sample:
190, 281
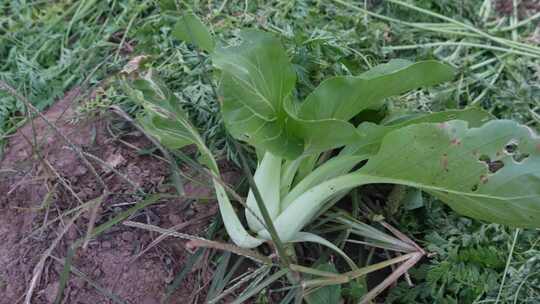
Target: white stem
304, 208
267, 178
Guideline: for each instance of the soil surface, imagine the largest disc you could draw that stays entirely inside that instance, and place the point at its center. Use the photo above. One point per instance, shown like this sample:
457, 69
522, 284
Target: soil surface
38, 183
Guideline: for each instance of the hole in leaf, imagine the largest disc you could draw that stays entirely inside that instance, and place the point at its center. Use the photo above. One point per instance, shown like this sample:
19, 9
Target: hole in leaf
493, 166
519, 157
474, 188
511, 147
455, 142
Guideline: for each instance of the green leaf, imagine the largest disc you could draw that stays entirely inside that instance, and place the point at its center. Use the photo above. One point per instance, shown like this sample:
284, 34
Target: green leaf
373, 133
470, 169
189, 28
288, 173
334, 167
256, 84
413, 199
326, 294
343, 97
302, 237
490, 173
164, 119
166, 131
256, 79
339, 99
232, 223
167, 5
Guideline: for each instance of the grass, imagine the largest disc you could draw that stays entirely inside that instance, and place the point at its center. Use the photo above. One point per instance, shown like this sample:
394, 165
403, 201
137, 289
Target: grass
48, 48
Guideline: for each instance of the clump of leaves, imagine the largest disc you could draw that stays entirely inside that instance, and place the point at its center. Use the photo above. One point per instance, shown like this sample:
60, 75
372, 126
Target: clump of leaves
480, 168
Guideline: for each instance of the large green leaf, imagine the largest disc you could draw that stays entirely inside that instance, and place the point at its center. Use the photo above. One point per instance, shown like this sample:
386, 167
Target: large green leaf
374, 133
189, 28
343, 97
256, 84
490, 173
256, 79
331, 105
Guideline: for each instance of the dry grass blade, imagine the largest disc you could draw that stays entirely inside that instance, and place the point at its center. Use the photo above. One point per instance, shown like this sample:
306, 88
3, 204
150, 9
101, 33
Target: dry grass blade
402, 236
261, 286
38, 269
118, 173
94, 209
164, 236
240, 283
196, 241
7, 88
93, 212
61, 180
401, 270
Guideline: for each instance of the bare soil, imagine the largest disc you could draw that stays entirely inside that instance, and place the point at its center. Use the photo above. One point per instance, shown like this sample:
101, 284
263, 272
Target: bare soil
32, 173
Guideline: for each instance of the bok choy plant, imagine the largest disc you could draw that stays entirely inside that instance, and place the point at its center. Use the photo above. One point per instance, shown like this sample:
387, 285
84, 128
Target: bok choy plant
481, 168
311, 154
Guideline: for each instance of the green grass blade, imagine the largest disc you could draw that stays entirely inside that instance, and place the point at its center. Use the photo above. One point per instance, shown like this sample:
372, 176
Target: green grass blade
258, 288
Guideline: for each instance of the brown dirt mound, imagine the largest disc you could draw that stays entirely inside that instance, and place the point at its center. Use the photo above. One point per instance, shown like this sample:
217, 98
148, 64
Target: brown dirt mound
28, 178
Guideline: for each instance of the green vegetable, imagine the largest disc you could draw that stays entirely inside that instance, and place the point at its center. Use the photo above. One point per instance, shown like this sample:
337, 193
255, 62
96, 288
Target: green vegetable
484, 169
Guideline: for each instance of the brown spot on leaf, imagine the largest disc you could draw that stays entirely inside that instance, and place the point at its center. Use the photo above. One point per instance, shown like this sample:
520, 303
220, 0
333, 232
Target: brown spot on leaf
455, 142
444, 162
484, 179
495, 166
